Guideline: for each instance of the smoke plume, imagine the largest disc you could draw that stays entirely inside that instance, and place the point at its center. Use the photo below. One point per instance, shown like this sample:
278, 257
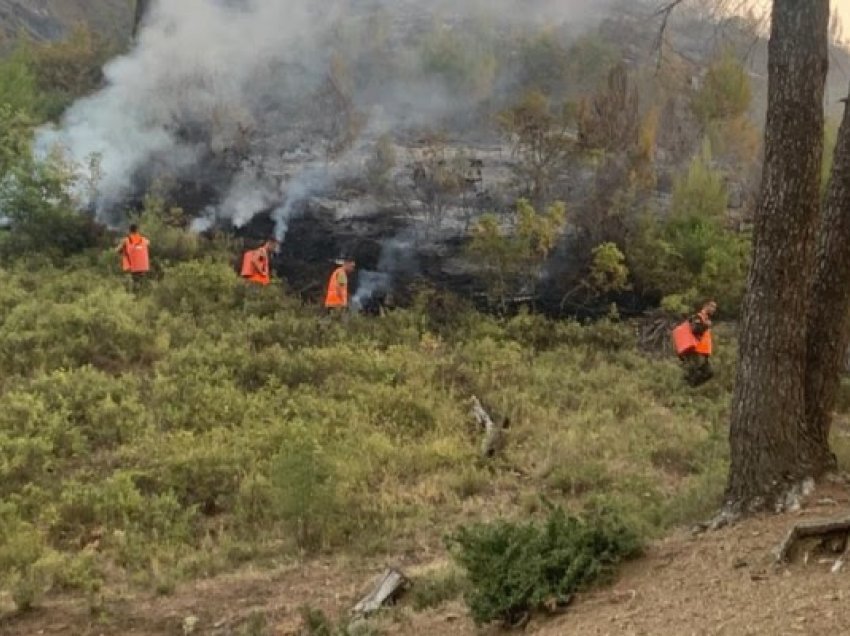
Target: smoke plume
261, 103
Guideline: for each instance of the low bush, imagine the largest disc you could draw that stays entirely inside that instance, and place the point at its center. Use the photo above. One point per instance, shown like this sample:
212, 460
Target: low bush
514, 568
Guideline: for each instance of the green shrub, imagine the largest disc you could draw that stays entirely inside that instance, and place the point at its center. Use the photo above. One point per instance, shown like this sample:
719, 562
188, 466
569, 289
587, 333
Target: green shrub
107, 328
514, 568
26, 563
306, 494
437, 588
198, 288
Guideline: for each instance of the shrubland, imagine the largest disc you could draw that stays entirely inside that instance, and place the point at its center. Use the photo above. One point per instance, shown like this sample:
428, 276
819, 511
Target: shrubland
158, 435
197, 424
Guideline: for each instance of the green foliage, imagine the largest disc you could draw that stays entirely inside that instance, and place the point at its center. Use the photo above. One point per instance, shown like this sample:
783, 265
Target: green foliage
15, 137
196, 425
305, 490
610, 120
67, 69
464, 59
541, 139
18, 84
437, 588
608, 272
513, 260
544, 62
725, 92
25, 560
106, 328
591, 57
691, 255
36, 196
514, 568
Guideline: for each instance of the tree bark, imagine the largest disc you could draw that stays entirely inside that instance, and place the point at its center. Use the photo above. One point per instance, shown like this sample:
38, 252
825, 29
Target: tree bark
768, 448
829, 308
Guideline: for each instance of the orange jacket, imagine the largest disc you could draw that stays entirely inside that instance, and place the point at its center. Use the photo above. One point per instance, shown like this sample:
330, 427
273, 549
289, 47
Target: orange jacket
255, 266
337, 295
134, 254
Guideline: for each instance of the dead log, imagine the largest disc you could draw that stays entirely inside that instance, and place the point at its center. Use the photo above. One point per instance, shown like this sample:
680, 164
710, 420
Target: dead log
828, 530
386, 590
494, 434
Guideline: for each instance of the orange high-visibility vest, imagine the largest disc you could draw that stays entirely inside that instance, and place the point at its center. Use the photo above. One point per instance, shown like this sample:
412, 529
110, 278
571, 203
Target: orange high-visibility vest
703, 346
255, 266
134, 255
337, 295
683, 339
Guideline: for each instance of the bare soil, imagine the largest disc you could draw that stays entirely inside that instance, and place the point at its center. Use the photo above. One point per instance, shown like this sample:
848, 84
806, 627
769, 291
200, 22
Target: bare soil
717, 583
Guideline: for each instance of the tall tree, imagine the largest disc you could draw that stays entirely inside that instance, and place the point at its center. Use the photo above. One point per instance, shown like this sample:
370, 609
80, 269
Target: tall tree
829, 308
771, 447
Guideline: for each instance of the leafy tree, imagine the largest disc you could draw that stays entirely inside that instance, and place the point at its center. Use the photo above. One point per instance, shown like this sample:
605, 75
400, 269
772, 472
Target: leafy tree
465, 60
36, 197
544, 62
439, 178
541, 139
610, 121
721, 105
15, 136
18, 85
608, 272
725, 93
513, 260
67, 69
590, 58
691, 254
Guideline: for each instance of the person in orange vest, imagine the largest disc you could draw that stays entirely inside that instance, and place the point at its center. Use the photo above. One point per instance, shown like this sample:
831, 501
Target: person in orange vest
336, 299
696, 360
135, 257
256, 264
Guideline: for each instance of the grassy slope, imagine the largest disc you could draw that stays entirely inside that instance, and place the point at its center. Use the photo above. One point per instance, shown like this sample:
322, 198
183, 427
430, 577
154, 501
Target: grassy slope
170, 436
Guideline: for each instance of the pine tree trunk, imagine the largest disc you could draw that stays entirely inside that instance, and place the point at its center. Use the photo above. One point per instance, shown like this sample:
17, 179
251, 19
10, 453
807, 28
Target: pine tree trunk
768, 448
829, 308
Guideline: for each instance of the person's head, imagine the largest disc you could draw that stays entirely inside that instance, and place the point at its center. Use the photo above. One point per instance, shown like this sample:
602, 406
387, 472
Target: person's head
271, 244
349, 265
134, 229
709, 307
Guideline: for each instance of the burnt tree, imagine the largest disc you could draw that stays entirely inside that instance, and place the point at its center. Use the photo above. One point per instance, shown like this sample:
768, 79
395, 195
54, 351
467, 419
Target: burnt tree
770, 447
829, 306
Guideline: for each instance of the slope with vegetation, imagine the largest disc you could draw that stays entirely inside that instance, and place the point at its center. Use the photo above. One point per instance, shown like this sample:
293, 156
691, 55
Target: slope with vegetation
153, 439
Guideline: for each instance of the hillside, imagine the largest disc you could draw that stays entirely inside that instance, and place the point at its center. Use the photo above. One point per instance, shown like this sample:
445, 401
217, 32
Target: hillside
53, 19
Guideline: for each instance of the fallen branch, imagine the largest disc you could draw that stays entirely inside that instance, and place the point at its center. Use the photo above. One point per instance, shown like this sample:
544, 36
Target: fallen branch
391, 584
811, 529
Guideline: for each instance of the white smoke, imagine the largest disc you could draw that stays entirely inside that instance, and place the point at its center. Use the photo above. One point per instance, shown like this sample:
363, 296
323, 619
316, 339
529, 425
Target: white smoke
398, 256
223, 92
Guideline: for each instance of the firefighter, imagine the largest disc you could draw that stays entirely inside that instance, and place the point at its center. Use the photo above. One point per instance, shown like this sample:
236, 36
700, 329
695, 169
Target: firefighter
696, 360
256, 264
135, 258
336, 298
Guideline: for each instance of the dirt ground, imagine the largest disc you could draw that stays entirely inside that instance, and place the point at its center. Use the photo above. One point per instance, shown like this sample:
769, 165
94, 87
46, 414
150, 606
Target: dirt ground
722, 583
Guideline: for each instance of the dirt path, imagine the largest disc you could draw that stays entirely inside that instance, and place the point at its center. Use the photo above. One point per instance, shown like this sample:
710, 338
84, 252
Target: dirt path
720, 583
